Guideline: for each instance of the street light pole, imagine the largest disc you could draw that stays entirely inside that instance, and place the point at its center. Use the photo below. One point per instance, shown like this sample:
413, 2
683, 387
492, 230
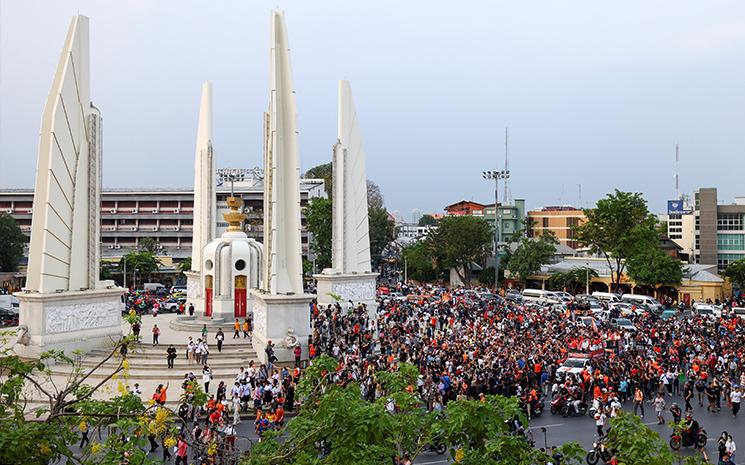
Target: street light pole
496, 176
587, 278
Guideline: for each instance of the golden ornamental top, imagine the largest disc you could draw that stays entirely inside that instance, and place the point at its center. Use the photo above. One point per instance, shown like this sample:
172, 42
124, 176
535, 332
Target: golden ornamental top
234, 217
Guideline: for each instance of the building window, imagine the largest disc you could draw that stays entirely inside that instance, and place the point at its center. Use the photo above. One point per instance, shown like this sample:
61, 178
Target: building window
724, 259
545, 222
729, 222
731, 242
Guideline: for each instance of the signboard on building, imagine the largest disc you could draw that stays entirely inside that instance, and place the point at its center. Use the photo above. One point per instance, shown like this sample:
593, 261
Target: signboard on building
675, 207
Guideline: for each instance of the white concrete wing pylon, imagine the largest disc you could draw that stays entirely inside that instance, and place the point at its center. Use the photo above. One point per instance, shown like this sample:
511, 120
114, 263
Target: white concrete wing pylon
67, 190
351, 237
204, 181
282, 247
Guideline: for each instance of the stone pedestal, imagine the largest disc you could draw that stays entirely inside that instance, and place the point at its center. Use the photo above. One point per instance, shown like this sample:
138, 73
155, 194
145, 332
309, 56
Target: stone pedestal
223, 309
194, 292
357, 287
68, 321
282, 319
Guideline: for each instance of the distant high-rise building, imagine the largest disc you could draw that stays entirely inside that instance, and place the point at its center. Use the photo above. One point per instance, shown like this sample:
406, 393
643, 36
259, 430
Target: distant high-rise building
719, 229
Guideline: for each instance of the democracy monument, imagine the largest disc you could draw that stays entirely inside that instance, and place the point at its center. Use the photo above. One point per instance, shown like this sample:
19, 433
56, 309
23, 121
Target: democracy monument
64, 306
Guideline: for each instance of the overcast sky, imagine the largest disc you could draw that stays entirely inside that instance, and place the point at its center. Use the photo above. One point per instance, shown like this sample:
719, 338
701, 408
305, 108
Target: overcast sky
594, 93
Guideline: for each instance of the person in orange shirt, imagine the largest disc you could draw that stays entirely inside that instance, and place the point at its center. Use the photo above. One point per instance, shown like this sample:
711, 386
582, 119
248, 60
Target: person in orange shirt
160, 396
237, 329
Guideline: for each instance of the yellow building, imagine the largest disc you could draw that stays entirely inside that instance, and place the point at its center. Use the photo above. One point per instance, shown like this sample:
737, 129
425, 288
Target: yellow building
561, 221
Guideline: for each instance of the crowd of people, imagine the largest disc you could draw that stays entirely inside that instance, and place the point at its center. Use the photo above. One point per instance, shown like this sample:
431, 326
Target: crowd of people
467, 345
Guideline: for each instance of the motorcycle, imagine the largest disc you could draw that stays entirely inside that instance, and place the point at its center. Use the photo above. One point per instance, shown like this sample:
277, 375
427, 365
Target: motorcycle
598, 452
437, 447
677, 439
557, 403
536, 408
569, 410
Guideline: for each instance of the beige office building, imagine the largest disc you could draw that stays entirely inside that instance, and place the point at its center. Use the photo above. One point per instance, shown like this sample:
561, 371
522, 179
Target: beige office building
560, 220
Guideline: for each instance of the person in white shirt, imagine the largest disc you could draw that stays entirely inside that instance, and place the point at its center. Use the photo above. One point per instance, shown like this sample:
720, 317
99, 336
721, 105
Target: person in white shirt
735, 397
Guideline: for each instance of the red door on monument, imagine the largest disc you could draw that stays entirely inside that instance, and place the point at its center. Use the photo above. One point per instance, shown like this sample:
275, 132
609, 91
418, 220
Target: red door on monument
208, 296
240, 297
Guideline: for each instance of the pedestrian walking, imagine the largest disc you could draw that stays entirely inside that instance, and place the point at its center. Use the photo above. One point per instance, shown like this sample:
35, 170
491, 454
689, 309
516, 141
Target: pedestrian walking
206, 378
246, 328
731, 447
237, 329
600, 418
204, 332
735, 397
220, 336
182, 450
659, 408
84, 434
191, 309
156, 335
638, 400
171, 355
298, 354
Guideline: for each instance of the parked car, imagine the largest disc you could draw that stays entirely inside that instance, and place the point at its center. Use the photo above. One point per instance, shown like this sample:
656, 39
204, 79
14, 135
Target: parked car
669, 314
606, 296
541, 296
708, 310
627, 309
739, 312
179, 289
623, 323
488, 296
513, 295
647, 300
171, 305
565, 296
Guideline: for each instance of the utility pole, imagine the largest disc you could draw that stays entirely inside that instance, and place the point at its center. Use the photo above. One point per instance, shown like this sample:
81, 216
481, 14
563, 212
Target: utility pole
507, 197
496, 176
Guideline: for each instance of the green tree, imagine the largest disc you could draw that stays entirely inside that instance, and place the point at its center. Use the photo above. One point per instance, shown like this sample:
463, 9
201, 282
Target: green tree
573, 280
318, 218
735, 271
382, 231
148, 244
427, 220
637, 444
336, 426
459, 241
325, 172
184, 265
419, 262
530, 254
618, 227
374, 196
654, 267
12, 240
145, 263
33, 434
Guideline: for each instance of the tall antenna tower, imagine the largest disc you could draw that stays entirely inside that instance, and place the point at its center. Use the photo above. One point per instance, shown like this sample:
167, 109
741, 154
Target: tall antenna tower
507, 192
676, 176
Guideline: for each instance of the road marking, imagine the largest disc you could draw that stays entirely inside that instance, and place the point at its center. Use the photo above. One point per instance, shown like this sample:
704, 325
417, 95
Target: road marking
553, 425
652, 423
436, 461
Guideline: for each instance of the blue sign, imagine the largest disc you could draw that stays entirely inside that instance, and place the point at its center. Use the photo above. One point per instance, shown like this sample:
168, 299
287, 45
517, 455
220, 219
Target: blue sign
675, 207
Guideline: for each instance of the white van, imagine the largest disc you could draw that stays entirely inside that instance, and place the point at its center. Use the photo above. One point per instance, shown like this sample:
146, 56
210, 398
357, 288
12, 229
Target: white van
541, 296
9, 303
639, 299
606, 297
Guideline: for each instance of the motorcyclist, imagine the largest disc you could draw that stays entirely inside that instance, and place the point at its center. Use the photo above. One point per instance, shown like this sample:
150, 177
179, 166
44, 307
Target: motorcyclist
691, 430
